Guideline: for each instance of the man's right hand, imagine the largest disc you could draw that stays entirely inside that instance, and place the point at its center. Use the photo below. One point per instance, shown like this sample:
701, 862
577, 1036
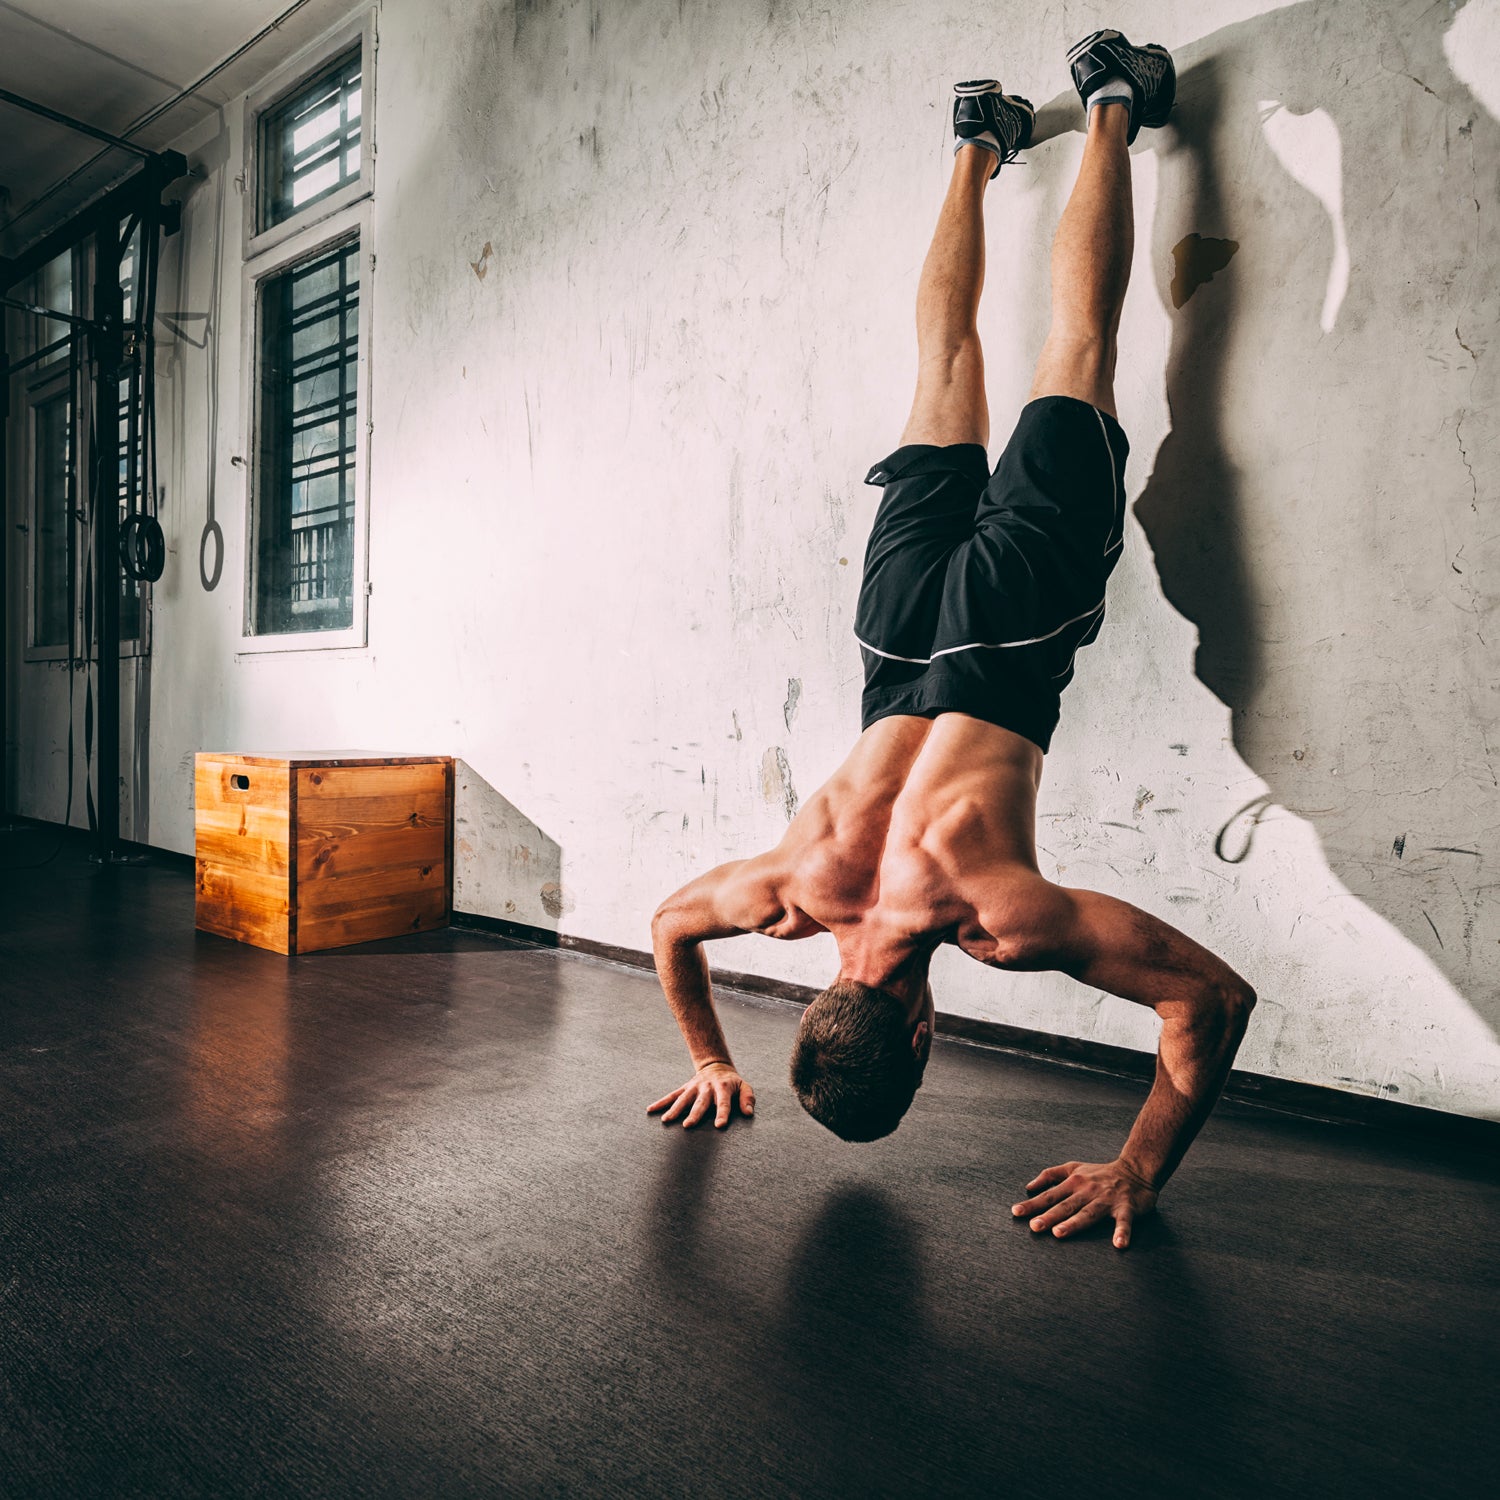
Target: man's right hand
715, 1086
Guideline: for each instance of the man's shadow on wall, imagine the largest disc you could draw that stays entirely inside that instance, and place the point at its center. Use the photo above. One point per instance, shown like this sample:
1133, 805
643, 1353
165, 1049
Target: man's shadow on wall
1308, 464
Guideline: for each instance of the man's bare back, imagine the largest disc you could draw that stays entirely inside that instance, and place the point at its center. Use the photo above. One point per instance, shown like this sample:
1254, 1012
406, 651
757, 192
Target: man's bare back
923, 835
978, 592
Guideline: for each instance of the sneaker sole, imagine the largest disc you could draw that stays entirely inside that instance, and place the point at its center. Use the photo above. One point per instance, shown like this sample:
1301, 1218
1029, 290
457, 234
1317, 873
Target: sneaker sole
980, 86
1088, 41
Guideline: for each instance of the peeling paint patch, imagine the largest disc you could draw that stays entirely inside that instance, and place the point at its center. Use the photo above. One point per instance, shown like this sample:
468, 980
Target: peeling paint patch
555, 901
776, 781
481, 267
793, 698
1195, 261
1399, 847
1142, 797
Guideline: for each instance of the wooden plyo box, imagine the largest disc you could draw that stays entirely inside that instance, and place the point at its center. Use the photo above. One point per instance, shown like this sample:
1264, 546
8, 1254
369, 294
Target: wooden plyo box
300, 852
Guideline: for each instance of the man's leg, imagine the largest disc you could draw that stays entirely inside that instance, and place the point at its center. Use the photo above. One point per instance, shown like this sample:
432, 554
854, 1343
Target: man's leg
950, 405
1090, 268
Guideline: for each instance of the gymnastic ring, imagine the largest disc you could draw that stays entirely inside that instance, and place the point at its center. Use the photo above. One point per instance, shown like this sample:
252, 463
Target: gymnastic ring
210, 581
143, 548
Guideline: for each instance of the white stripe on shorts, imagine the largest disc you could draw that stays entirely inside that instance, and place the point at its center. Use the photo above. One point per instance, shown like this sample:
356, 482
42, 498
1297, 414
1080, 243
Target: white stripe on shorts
1034, 640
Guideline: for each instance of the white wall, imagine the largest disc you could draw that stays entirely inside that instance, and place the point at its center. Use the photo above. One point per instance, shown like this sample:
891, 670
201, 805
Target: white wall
617, 517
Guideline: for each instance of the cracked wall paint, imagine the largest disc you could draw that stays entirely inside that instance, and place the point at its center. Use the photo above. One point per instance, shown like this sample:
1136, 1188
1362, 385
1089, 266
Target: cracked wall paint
776, 781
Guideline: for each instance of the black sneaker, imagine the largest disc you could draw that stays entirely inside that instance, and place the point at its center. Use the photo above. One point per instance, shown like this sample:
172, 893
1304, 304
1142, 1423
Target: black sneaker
1148, 70
1000, 122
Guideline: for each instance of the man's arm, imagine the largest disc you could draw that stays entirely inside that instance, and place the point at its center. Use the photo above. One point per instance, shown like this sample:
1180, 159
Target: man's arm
1204, 1007
713, 906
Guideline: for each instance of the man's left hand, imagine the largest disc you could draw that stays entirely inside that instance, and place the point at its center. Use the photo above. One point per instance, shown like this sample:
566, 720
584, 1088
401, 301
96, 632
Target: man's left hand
1079, 1194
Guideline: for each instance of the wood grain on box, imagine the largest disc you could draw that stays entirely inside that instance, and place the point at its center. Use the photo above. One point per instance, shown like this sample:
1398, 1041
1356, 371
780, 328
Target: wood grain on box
302, 852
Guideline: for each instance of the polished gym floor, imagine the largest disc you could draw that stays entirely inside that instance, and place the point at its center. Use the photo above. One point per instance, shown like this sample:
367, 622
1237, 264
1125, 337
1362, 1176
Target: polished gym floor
393, 1221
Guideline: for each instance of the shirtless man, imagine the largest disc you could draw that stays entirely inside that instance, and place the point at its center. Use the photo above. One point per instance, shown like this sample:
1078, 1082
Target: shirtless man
977, 593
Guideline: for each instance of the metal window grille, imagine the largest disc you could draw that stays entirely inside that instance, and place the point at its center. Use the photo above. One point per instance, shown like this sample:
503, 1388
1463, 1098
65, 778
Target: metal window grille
310, 142
131, 486
304, 531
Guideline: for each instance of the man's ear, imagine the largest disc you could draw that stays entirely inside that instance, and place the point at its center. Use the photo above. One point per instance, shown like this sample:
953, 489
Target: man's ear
919, 1035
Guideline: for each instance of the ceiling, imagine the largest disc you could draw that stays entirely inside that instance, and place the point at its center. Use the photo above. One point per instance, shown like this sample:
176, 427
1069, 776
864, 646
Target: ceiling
113, 64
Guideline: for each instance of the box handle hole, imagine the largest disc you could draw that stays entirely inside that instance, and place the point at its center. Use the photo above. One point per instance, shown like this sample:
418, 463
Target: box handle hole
240, 783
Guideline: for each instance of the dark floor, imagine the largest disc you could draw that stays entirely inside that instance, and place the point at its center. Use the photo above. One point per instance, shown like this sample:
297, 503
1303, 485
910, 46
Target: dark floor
393, 1221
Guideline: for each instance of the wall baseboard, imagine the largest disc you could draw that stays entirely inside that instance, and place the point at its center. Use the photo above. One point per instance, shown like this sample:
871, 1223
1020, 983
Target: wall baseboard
1314, 1101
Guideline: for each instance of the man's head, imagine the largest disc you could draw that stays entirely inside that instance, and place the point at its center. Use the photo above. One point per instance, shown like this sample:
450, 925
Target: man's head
859, 1057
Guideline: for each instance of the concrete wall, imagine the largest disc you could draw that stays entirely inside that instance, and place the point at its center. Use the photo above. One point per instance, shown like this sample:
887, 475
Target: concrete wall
642, 319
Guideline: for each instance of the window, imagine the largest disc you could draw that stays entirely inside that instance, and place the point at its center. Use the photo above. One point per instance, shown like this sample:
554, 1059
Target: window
51, 520
53, 287
309, 144
307, 407
50, 436
310, 171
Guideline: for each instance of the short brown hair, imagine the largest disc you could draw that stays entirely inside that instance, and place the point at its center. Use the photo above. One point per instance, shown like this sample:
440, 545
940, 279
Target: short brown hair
853, 1066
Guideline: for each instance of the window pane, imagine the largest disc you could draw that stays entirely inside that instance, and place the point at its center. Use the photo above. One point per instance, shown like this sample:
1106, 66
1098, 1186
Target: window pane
304, 502
53, 287
52, 555
309, 143
129, 258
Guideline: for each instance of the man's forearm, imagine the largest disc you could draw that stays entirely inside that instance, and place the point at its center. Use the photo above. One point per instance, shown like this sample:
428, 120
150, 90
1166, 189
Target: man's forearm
1196, 1051
682, 967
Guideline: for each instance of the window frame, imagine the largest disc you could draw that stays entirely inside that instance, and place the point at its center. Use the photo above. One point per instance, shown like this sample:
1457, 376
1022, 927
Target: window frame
275, 90
38, 393
37, 334
353, 221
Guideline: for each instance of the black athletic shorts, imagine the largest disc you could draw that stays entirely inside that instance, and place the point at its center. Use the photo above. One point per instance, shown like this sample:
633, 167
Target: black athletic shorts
979, 589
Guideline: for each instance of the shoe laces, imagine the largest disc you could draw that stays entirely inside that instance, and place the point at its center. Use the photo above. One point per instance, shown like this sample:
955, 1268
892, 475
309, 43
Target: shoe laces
1152, 66
1011, 124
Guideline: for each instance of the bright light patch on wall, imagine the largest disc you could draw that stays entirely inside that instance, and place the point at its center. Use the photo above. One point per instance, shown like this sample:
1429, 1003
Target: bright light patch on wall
1308, 147
1472, 46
